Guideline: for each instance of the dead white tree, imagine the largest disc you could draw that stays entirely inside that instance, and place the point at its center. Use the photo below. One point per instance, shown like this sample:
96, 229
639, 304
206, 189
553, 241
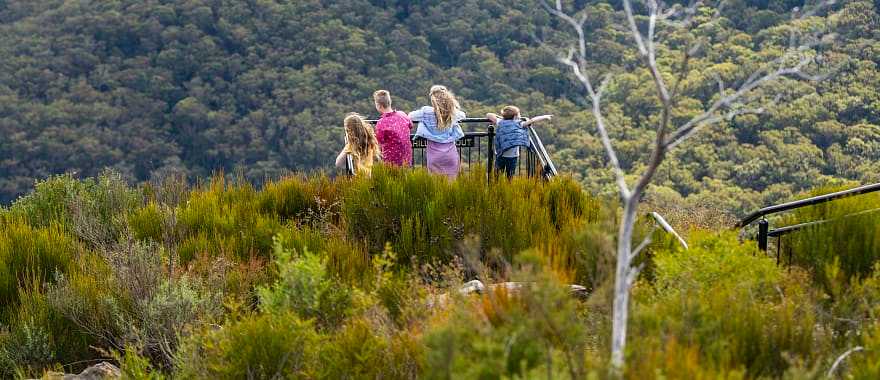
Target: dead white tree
732, 99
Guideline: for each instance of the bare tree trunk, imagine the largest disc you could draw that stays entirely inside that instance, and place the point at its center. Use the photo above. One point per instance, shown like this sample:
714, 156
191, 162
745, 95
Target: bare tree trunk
620, 308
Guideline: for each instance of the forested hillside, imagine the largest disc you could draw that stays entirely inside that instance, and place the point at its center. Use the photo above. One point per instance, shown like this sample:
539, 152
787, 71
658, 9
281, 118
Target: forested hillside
151, 87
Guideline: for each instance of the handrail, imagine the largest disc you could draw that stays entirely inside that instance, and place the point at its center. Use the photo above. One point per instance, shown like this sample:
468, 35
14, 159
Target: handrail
796, 227
764, 232
775, 209
546, 163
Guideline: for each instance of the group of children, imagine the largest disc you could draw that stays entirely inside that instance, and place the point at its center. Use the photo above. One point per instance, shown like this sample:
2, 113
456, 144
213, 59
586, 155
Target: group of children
439, 124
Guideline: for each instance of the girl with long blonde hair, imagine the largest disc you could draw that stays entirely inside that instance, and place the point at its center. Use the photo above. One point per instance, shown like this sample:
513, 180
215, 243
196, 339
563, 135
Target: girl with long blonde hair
439, 125
360, 143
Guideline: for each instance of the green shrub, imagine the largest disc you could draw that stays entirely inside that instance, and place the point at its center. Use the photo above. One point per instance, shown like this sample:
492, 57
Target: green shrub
532, 332
39, 338
721, 305
263, 346
426, 217
299, 197
93, 208
305, 287
31, 255
224, 219
147, 222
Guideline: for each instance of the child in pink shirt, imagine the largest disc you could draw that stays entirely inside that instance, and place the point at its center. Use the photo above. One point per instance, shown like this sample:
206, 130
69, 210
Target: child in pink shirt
392, 131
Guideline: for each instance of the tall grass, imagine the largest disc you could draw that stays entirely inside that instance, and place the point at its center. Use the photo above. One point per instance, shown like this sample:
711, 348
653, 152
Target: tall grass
29, 255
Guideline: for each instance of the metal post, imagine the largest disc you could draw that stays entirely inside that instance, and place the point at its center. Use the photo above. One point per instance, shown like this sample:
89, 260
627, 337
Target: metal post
763, 229
490, 153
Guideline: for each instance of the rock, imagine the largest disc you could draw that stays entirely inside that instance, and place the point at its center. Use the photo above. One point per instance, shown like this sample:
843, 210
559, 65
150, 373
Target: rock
477, 287
100, 371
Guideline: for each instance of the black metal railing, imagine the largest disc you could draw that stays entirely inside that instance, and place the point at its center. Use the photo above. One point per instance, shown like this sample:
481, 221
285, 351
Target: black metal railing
764, 231
478, 147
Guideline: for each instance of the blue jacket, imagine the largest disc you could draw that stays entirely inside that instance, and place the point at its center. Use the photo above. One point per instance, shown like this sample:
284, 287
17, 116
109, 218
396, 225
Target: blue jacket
428, 126
509, 134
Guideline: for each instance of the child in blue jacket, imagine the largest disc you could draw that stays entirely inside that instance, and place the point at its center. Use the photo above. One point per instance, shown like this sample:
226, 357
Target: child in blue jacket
510, 134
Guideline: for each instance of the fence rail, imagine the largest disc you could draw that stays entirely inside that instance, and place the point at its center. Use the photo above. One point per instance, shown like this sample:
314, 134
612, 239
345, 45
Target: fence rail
764, 231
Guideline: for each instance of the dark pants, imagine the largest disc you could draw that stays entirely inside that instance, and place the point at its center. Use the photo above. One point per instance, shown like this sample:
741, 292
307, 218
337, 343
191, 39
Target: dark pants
506, 164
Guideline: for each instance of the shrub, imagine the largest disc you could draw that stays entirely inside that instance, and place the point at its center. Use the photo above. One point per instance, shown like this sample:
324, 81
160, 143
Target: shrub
426, 217
305, 287
90, 208
31, 255
724, 307
257, 347
224, 219
526, 333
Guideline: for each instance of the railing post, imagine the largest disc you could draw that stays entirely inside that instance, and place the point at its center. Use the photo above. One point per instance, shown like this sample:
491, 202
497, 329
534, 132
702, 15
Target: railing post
763, 230
490, 153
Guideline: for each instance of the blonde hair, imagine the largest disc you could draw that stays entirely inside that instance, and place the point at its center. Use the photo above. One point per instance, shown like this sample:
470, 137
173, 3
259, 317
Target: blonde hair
444, 104
509, 112
382, 98
362, 143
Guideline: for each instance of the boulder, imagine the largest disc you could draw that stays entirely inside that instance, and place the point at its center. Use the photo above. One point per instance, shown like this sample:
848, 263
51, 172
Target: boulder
100, 371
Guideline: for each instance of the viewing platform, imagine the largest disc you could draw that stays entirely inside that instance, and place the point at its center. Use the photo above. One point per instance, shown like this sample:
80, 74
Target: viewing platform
478, 146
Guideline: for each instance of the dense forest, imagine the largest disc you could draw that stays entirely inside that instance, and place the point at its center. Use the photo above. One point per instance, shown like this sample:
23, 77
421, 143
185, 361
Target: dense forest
158, 217
152, 88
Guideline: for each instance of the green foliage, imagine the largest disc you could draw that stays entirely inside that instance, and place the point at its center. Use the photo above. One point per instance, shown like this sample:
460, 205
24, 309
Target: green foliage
155, 88
31, 255
259, 347
224, 219
305, 287
425, 217
507, 333
721, 309
848, 242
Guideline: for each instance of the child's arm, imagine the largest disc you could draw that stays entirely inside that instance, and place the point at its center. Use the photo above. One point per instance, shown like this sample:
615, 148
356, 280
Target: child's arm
536, 119
340, 159
492, 117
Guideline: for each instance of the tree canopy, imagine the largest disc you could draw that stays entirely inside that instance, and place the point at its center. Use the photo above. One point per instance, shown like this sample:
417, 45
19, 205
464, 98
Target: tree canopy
151, 87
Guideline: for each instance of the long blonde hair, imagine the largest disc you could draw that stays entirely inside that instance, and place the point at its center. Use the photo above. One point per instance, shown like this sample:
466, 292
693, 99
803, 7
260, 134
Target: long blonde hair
362, 143
444, 104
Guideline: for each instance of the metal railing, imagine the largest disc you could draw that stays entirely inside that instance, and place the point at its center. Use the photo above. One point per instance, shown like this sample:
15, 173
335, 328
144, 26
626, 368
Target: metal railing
478, 147
764, 231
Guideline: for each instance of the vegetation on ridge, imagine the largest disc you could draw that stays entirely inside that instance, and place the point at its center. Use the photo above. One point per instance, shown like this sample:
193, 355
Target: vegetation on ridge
345, 279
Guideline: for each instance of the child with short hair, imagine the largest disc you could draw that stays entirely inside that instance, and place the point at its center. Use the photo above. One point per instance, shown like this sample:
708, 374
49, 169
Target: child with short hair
360, 143
510, 134
392, 131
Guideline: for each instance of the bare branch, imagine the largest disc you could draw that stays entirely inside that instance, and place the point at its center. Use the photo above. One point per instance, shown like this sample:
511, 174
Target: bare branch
644, 244
596, 100
841, 358
578, 26
634, 274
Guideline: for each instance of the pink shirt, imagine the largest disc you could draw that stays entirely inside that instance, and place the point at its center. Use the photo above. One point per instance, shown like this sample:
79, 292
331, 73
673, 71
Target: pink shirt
392, 131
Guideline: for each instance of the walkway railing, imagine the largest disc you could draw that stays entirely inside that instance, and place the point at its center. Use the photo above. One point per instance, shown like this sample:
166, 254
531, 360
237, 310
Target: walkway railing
764, 231
478, 147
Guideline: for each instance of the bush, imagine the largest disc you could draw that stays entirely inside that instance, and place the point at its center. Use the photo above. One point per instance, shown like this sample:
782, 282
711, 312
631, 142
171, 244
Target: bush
426, 217
305, 287
526, 333
257, 347
93, 208
360, 350
31, 256
224, 219
720, 309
